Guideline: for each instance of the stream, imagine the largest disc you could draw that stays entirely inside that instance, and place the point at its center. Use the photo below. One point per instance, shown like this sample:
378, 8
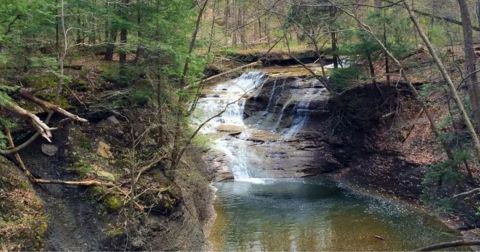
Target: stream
266, 207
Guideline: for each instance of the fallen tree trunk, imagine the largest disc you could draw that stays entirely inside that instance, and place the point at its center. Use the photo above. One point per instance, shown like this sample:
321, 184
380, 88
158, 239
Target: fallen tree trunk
49, 106
41, 127
72, 183
452, 244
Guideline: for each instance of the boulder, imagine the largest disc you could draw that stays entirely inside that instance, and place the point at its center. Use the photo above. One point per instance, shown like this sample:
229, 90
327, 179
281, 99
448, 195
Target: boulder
263, 136
113, 120
49, 149
231, 129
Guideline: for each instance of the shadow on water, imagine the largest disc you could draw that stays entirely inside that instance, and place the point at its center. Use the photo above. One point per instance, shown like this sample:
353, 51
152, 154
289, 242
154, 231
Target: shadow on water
315, 215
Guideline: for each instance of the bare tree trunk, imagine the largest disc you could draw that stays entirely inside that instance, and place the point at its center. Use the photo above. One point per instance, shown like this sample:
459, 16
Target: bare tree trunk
124, 34
449, 81
477, 11
387, 61
470, 61
123, 42
212, 27
234, 23
192, 43
140, 47
111, 44
371, 67
243, 31
226, 19
110, 36
333, 35
379, 4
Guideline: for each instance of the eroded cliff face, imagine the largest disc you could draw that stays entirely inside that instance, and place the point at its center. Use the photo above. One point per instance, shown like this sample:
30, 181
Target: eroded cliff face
82, 218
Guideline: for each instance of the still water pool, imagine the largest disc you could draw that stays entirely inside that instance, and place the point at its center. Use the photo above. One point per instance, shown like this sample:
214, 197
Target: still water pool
302, 215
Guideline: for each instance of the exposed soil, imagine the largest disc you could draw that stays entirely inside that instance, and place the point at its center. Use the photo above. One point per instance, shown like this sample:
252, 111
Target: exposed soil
75, 222
94, 218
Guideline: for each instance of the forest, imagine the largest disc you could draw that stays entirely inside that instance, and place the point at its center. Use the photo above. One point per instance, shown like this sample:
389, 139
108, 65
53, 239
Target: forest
251, 125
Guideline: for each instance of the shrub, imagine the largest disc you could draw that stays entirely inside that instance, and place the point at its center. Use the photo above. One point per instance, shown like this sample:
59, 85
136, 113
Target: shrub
342, 78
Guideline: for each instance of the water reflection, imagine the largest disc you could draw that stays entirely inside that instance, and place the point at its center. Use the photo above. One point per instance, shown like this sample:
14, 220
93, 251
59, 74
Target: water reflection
303, 216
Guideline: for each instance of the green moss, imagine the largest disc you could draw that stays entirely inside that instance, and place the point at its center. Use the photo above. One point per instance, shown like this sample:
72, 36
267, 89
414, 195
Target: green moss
81, 140
113, 202
114, 232
140, 96
41, 81
81, 168
47, 82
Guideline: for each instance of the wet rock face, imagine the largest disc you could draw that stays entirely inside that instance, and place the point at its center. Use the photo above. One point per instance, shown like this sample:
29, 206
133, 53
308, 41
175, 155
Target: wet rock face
292, 112
292, 127
275, 105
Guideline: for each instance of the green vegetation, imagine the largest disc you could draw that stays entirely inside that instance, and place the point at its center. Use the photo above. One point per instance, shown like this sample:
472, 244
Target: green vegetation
342, 78
134, 68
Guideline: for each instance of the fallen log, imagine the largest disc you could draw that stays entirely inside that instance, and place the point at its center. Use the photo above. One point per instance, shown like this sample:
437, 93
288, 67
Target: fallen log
452, 244
49, 106
41, 127
72, 183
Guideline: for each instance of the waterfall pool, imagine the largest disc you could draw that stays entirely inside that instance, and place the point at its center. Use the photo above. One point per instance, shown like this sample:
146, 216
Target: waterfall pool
302, 215
292, 214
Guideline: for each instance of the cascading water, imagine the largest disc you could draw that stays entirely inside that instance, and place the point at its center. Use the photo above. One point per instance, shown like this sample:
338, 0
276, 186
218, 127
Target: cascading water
302, 112
231, 96
287, 214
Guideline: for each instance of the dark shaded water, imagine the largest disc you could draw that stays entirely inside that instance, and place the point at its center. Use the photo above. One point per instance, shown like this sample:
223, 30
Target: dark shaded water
299, 215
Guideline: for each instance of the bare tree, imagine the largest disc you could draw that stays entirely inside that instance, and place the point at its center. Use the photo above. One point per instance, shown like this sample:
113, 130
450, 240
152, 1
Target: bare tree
470, 61
446, 76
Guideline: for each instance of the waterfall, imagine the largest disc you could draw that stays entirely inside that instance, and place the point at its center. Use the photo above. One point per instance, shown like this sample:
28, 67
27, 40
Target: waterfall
235, 148
250, 152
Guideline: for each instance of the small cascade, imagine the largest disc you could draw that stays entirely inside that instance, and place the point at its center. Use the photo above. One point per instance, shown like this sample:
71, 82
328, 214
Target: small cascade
232, 96
302, 112
231, 93
282, 114
272, 96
